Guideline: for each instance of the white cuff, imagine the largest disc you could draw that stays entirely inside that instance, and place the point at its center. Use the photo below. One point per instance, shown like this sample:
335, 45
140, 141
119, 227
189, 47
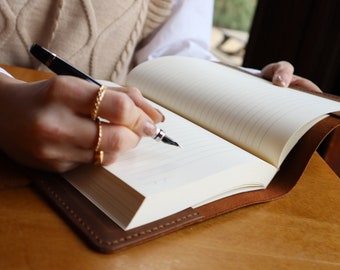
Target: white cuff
5, 72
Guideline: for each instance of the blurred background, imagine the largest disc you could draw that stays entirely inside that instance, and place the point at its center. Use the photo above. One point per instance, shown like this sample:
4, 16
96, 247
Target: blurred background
232, 23
306, 33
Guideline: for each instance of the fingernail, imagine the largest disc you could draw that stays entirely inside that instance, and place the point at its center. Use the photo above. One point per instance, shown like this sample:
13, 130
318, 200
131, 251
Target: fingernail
279, 80
161, 114
149, 128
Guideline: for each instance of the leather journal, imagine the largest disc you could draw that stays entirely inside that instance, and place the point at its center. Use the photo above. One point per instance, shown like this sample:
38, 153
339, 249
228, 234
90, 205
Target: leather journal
104, 236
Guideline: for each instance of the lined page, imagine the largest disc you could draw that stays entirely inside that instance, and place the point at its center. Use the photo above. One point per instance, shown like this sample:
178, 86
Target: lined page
155, 167
248, 111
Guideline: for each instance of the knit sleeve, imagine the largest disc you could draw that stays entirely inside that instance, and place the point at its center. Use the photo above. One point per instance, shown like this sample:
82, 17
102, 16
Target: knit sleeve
158, 11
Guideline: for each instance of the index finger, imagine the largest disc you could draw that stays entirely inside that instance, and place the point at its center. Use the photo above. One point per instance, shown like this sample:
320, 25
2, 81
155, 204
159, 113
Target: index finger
141, 102
119, 109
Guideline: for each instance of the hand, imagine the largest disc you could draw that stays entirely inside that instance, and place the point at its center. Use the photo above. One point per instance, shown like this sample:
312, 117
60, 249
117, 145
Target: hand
282, 74
47, 124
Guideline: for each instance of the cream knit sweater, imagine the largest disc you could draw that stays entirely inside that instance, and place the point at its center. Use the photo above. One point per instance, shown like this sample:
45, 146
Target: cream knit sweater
98, 36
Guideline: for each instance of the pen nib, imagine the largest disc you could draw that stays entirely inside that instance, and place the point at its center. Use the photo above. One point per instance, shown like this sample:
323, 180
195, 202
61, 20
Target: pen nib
167, 140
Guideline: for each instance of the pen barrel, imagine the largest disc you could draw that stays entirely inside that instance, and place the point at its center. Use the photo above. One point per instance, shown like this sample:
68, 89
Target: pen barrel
58, 65
60, 68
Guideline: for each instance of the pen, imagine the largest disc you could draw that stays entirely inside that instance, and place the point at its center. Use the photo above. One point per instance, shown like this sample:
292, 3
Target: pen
61, 67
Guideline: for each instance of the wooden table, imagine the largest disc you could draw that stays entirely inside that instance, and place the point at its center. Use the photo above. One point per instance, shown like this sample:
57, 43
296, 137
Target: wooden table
299, 231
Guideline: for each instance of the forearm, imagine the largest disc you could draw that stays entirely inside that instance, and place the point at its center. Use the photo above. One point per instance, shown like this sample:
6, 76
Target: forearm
10, 104
8, 84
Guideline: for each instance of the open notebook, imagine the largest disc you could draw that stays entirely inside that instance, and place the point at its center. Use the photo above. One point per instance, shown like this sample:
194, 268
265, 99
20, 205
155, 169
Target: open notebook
236, 131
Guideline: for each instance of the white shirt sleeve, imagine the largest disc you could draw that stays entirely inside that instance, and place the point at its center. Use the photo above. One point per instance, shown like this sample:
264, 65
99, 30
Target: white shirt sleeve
5, 72
186, 32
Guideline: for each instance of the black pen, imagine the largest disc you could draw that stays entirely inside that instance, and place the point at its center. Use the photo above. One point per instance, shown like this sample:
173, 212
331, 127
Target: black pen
61, 67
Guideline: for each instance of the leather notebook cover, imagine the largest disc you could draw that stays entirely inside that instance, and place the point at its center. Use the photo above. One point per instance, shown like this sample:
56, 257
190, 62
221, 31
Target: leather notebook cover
103, 235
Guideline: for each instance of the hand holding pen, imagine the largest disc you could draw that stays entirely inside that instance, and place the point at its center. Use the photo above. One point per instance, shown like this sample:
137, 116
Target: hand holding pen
123, 108
47, 125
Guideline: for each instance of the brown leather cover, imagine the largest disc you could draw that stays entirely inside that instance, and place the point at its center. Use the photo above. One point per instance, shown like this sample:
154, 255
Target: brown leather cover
103, 235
